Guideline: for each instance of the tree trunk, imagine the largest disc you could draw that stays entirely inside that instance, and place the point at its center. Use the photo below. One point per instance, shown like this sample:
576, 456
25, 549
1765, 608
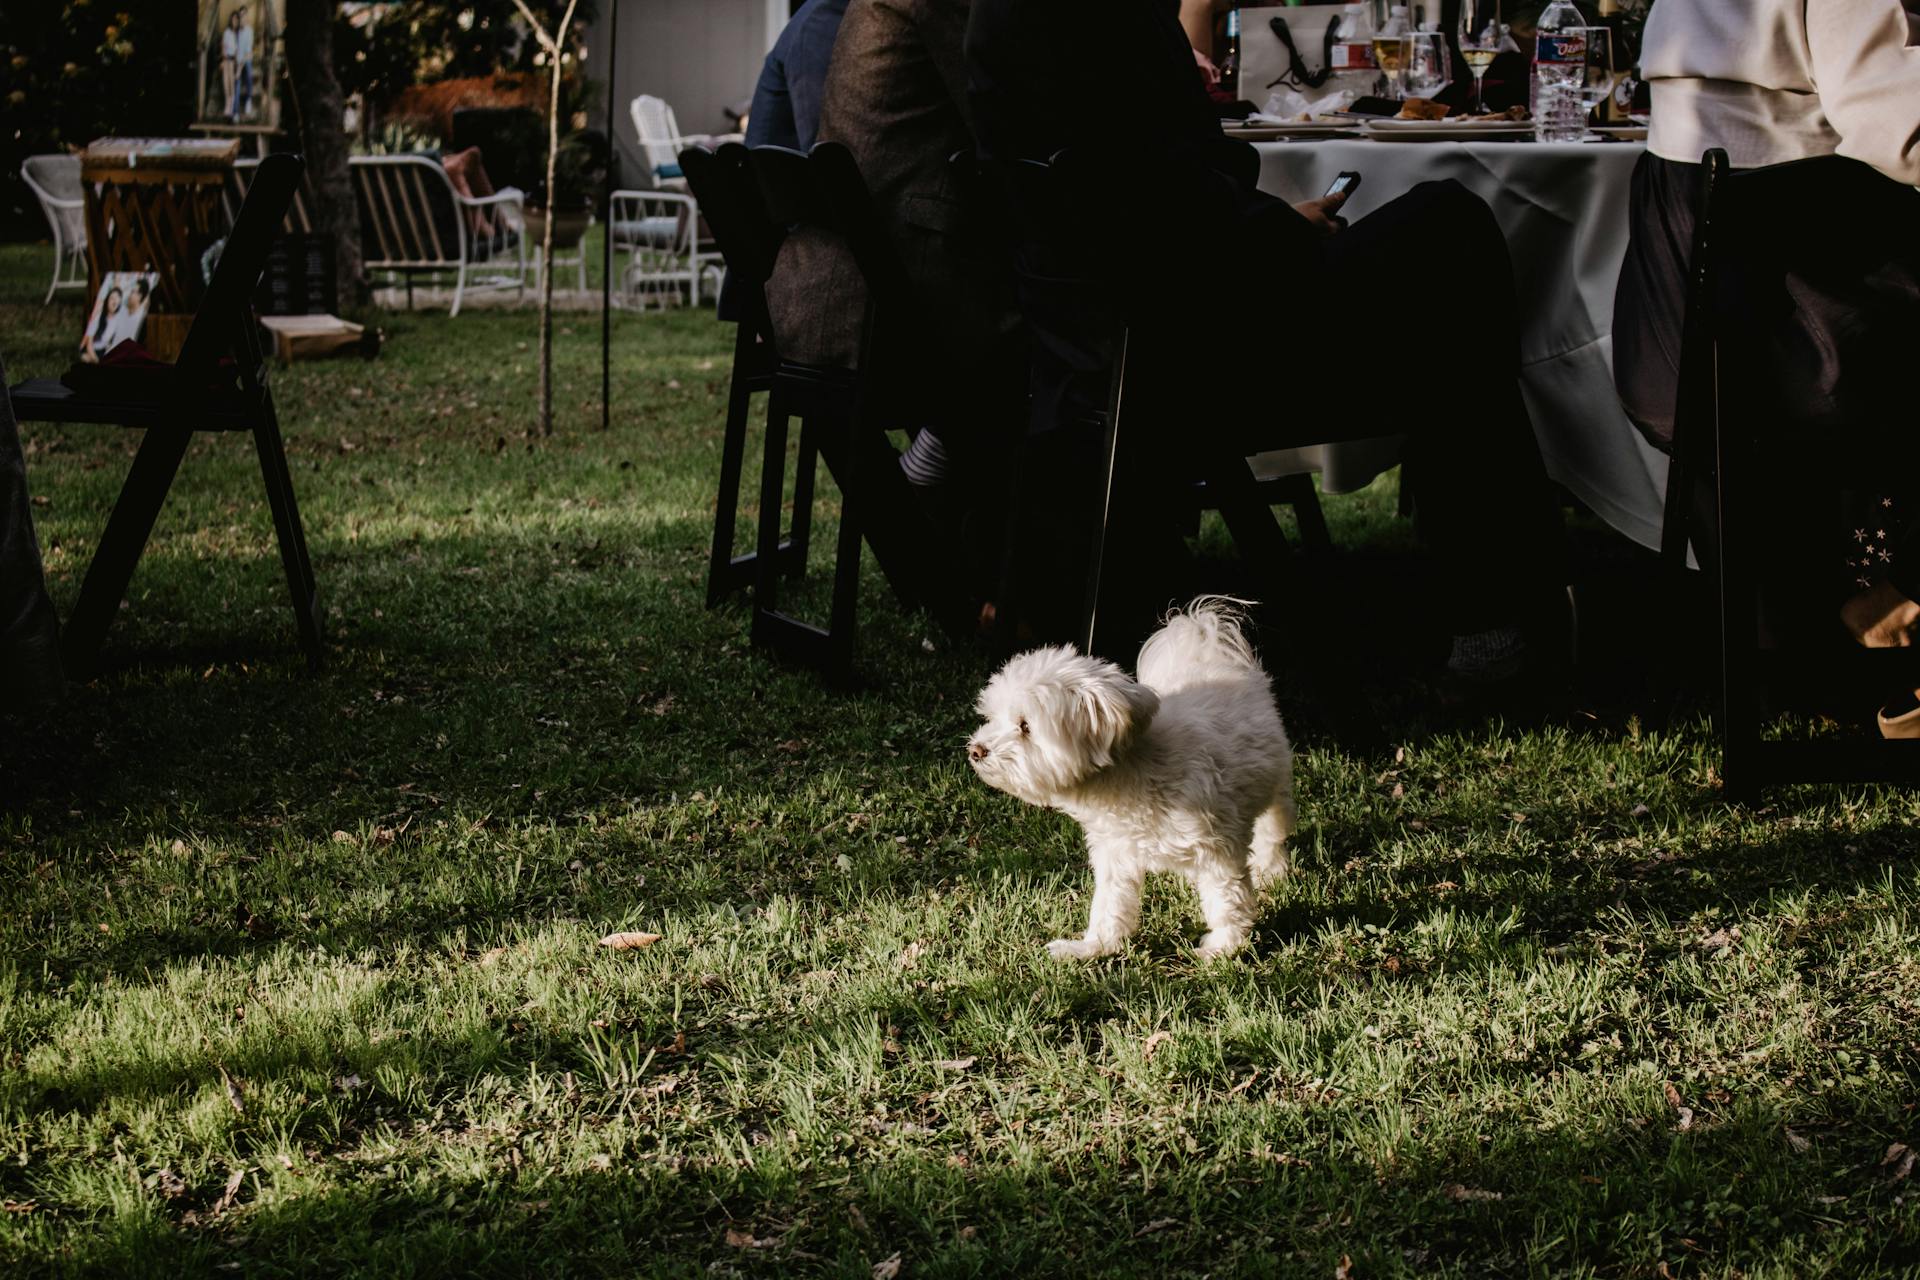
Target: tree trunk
546, 254
323, 141
552, 43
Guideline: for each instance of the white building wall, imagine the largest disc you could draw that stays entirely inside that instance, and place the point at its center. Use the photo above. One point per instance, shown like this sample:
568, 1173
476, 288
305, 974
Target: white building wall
700, 55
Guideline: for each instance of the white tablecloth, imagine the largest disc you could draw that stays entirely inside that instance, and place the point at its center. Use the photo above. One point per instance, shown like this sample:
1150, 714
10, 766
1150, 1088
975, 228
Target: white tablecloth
1564, 209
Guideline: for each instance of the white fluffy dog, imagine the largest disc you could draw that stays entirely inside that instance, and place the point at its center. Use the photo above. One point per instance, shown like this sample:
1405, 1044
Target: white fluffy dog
1185, 769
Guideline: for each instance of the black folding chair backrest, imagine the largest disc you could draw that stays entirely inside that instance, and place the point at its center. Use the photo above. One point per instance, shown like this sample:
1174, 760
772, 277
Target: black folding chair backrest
1695, 408
823, 190
733, 209
223, 325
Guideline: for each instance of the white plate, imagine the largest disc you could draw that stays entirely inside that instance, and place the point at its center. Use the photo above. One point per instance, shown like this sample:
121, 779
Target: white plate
1622, 132
1291, 129
1445, 130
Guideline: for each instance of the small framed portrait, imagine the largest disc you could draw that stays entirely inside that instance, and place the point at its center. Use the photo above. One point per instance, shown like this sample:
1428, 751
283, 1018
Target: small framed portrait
240, 51
119, 312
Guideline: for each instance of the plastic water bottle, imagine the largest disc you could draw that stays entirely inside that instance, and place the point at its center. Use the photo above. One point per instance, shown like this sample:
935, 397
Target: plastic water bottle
1559, 65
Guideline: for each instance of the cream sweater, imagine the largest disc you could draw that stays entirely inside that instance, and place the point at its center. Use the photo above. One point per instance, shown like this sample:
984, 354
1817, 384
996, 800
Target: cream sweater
1779, 80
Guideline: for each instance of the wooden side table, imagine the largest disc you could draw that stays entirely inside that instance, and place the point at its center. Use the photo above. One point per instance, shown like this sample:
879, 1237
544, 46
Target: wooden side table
153, 204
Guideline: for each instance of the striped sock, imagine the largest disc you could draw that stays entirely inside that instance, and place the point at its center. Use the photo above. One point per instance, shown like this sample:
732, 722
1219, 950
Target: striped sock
925, 460
1488, 656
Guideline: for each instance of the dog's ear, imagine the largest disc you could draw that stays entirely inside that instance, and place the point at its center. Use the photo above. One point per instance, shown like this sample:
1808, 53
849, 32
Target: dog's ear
1115, 707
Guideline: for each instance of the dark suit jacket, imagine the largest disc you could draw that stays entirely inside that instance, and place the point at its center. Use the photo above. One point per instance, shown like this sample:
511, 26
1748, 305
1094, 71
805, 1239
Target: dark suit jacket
786, 101
896, 97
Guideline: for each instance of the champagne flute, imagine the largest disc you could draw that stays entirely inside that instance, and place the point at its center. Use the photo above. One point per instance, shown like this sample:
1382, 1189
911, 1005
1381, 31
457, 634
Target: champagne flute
1425, 71
1481, 38
1391, 53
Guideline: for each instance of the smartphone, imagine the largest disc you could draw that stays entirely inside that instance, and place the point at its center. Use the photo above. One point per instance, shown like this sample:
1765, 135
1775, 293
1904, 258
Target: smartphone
1345, 184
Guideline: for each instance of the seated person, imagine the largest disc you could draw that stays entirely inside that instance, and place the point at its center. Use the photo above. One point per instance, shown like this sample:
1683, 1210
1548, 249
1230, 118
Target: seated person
896, 98
786, 101
1220, 283
1825, 95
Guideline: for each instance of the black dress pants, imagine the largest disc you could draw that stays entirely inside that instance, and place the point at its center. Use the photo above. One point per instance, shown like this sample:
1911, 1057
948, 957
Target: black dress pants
1352, 366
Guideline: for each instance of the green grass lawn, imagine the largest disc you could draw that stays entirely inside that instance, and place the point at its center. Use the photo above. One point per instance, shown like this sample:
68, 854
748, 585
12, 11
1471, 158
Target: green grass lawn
299, 974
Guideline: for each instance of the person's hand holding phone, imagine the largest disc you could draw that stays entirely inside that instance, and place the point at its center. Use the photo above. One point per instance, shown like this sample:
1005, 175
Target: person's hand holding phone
1324, 213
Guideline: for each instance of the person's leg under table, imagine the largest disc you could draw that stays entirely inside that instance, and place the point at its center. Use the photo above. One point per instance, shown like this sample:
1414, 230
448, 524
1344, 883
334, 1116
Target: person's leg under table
1485, 510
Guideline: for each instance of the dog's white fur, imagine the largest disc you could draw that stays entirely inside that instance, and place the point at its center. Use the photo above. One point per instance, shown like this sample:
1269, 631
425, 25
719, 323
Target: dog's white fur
1185, 769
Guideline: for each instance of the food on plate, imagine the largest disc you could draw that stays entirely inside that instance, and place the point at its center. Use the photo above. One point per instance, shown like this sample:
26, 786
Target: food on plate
1422, 109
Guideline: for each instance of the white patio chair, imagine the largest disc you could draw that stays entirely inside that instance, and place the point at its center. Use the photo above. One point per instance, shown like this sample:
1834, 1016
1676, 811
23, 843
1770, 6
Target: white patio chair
659, 233
55, 183
662, 141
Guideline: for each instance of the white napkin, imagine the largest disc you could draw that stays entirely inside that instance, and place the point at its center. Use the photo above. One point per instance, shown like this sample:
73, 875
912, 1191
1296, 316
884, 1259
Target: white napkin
1287, 106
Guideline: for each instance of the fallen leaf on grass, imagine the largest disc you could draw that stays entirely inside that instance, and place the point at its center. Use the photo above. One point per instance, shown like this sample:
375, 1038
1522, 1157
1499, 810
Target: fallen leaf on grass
1154, 1041
235, 1098
629, 941
910, 956
18, 1206
1680, 1107
169, 1184
343, 837
1797, 1142
1900, 1156
225, 1202
1455, 1191
738, 1239
887, 1268
1720, 939
1344, 1271
1158, 1224
955, 1064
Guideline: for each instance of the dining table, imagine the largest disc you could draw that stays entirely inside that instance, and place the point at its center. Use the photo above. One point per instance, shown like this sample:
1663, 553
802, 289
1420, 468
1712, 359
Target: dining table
1563, 207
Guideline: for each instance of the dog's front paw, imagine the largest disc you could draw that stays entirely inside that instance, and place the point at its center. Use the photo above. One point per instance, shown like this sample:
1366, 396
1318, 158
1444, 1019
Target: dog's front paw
1220, 942
1078, 949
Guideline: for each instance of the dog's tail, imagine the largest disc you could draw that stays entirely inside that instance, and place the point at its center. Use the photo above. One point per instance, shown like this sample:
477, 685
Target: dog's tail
1202, 642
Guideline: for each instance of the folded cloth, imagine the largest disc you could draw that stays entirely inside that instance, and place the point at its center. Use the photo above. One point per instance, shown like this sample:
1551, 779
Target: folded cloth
130, 369
30, 677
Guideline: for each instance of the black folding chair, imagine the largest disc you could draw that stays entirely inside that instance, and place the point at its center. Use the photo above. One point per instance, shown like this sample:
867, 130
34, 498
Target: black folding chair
1713, 503
219, 383
764, 195
730, 202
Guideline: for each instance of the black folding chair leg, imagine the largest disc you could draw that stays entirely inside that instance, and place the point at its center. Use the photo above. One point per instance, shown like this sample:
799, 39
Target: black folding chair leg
292, 538
1739, 611
855, 476
1098, 623
802, 526
1298, 492
773, 475
128, 527
722, 574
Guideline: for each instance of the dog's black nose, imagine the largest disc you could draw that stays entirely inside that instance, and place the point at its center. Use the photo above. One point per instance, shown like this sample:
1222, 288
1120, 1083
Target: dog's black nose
976, 751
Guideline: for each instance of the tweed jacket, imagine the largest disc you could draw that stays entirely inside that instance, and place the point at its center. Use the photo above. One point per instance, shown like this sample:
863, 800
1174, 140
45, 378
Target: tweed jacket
896, 96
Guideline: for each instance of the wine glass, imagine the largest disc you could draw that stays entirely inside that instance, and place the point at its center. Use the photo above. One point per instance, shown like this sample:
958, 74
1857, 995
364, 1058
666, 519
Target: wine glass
1391, 53
1596, 80
1425, 71
1482, 35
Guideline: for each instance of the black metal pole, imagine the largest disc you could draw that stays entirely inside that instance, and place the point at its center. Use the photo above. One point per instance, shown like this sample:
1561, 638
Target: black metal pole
606, 244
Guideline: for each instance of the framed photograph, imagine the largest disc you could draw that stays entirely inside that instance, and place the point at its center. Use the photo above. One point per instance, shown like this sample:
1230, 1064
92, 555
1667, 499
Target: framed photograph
241, 47
119, 312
